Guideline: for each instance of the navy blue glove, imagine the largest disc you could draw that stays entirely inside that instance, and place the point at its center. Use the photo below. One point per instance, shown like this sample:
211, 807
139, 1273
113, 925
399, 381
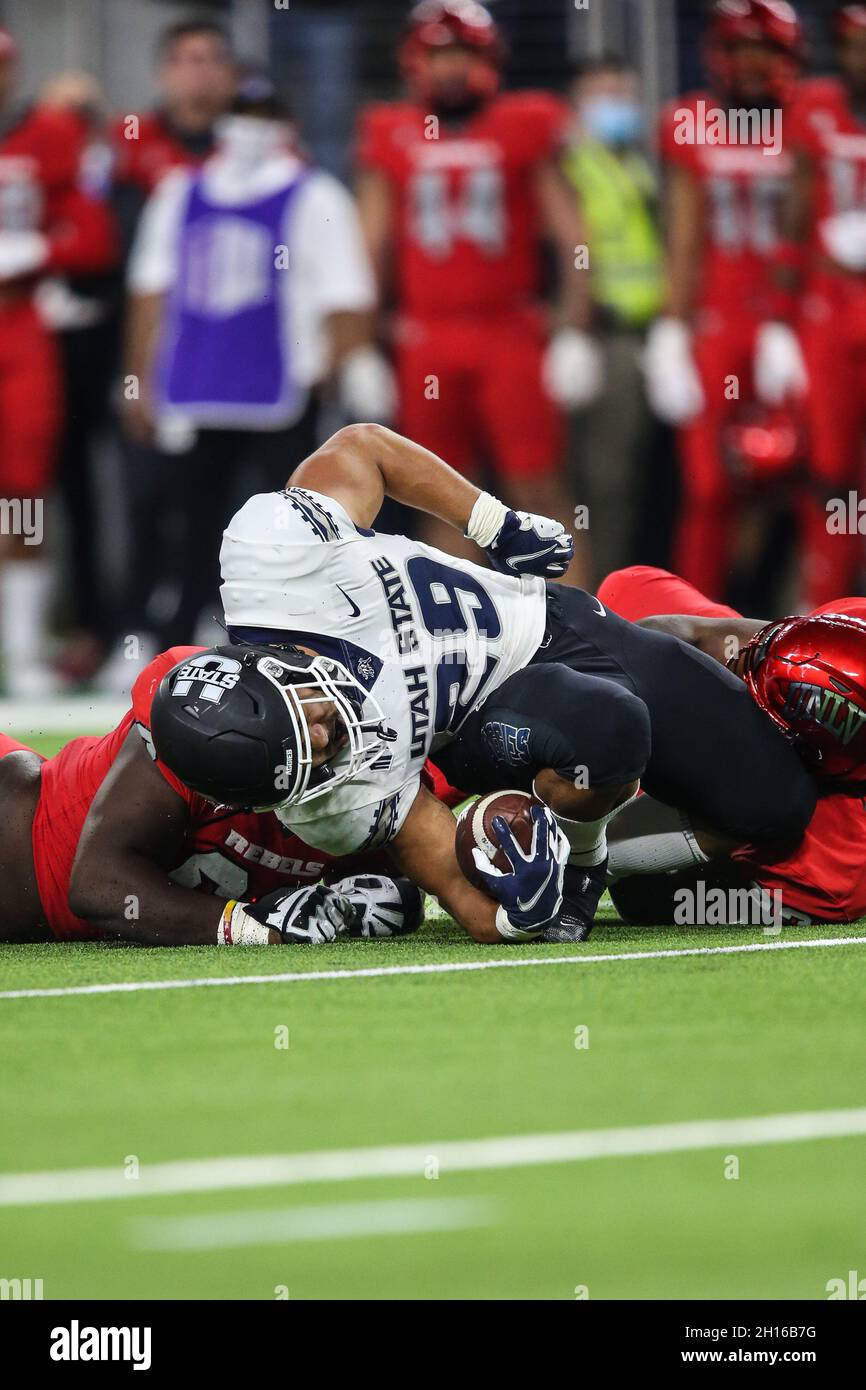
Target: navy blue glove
531, 895
529, 544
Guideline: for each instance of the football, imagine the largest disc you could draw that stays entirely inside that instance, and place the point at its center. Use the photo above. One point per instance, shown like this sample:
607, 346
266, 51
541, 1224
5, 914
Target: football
475, 829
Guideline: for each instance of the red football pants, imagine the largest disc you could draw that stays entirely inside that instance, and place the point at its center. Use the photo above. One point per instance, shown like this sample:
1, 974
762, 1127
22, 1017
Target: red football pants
834, 345
723, 350
471, 392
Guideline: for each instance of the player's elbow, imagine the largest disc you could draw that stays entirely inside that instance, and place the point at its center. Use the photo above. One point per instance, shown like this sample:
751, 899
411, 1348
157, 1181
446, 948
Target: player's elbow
85, 895
366, 439
94, 893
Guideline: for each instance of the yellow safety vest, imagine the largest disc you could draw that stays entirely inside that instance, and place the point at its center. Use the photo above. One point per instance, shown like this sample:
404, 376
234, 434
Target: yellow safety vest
617, 193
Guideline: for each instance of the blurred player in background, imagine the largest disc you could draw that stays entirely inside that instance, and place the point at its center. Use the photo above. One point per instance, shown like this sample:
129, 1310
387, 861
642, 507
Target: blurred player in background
825, 260
610, 441
49, 225
251, 287
83, 312
725, 192
458, 186
196, 79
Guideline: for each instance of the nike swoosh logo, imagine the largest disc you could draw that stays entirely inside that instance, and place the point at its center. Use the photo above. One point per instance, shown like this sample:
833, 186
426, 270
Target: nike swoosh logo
599, 608
356, 612
527, 906
533, 555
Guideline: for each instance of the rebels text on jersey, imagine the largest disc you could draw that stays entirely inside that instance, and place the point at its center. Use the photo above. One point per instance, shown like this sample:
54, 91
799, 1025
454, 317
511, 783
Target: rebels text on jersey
429, 637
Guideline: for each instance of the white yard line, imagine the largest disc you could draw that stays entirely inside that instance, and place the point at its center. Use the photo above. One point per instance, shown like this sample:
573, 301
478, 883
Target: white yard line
441, 968
335, 1221
66, 714
418, 1160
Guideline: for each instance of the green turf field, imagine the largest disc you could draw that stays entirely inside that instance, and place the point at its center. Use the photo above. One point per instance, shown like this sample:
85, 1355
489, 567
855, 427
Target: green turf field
112, 1080
132, 1081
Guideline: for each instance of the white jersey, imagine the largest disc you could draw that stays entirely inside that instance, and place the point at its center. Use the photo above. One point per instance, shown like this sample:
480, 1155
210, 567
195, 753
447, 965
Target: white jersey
430, 637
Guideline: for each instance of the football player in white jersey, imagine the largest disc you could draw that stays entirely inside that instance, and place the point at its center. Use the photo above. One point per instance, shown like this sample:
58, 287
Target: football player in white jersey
355, 655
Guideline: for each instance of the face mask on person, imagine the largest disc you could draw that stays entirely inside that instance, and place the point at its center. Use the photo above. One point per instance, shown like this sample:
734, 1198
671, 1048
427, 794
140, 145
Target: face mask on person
612, 120
249, 141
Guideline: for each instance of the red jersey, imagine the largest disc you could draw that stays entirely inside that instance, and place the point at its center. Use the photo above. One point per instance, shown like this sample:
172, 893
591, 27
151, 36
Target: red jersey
822, 126
742, 185
232, 854
147, 148
466, 218
40, 164
825, 876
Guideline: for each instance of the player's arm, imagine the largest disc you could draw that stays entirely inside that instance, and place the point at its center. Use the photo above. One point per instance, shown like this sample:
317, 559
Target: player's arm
562, 222
143, 322
683, 216
375, 195
779, 365
362, 464
720, 638
674, 388
787, 268
529, 897
131, 838
424, 851
151, 273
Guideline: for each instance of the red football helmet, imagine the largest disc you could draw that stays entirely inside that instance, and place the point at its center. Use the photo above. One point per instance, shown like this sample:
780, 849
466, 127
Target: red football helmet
437, 24
764, 444
772, 23
8, 46
809, 675
850, 20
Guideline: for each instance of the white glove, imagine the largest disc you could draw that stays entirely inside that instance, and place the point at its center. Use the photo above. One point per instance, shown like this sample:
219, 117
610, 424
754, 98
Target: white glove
573, 369
844, 238
779, 367
174, 434
383, 906
365, 386
21, 253
672, 382
307, 916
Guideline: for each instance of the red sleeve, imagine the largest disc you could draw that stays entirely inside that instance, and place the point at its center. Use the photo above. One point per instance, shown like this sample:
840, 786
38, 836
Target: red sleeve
82, 236
815, 104
143, 691
59, 137
536, 126
548, 122
672, 150
643, 591
376, 147
80, 229
436, 782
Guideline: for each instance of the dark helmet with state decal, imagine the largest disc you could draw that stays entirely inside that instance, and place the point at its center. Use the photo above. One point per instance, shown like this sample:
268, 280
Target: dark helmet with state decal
231, 724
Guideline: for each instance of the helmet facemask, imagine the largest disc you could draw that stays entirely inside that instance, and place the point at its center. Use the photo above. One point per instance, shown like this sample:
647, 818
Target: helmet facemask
321, 679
